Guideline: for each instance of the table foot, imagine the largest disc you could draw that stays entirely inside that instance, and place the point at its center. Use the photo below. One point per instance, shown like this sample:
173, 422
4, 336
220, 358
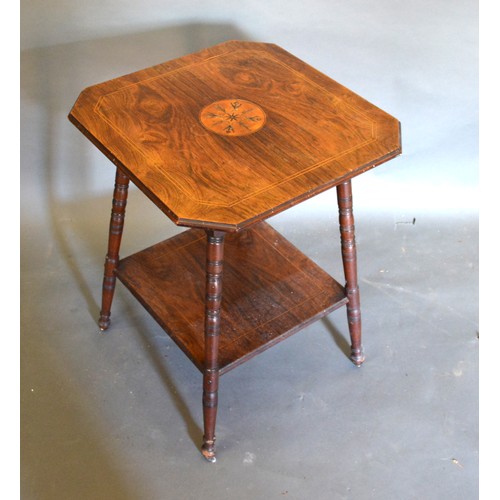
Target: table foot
357, 356
208, 451
104, 322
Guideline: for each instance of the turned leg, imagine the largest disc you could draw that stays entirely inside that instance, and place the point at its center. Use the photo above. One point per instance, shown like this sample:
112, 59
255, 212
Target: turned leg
346, 219
215, 258
115, 237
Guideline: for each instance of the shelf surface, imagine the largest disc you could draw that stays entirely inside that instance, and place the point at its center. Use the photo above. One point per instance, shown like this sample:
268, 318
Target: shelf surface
270, 291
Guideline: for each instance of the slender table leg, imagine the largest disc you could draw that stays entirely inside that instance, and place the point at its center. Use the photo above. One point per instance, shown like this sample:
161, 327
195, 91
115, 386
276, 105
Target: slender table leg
215, 261
346, 219
115, 238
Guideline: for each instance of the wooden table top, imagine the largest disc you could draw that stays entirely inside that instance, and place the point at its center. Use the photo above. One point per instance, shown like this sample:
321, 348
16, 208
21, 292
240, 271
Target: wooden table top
235, 133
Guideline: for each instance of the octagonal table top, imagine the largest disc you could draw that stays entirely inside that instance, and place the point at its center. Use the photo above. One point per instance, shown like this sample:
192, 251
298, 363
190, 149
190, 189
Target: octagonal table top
235, 133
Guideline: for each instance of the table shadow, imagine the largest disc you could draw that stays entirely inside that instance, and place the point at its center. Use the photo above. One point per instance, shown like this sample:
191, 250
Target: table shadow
67, 196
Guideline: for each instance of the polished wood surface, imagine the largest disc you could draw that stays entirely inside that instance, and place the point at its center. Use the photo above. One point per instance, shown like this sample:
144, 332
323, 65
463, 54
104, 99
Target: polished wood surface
270, 291
221, 140
312, 134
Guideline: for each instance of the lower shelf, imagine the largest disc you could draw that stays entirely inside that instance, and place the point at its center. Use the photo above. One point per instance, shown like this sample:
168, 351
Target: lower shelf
270, 291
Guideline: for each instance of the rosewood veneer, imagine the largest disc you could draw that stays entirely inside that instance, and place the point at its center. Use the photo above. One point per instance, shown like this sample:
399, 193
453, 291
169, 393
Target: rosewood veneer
221, 140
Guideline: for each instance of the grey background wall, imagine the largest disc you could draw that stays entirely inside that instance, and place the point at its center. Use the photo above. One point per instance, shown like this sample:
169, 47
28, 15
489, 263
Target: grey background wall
418, 60
118, 415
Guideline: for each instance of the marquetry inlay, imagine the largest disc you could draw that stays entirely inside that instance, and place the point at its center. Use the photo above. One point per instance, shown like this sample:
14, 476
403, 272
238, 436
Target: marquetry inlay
233, 117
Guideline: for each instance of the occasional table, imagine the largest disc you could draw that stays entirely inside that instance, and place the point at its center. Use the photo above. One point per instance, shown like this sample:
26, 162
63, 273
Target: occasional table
221, 140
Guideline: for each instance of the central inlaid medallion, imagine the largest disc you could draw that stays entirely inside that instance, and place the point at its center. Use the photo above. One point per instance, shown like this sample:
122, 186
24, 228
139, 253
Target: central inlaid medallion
233, 117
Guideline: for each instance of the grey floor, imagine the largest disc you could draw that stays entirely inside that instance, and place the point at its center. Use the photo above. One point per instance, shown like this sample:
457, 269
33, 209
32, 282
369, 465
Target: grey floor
118, 415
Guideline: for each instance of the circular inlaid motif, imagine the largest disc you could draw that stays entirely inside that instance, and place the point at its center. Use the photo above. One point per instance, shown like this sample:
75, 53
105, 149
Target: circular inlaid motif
233, 117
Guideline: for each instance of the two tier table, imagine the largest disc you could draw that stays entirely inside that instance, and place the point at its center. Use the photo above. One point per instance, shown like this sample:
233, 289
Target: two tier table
221, 140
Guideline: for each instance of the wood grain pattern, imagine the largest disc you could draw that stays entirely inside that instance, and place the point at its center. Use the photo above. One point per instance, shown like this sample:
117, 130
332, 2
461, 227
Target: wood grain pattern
271, 290
317, 134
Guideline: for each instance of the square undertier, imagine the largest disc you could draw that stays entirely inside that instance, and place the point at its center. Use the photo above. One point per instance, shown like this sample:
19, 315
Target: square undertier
270, 291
